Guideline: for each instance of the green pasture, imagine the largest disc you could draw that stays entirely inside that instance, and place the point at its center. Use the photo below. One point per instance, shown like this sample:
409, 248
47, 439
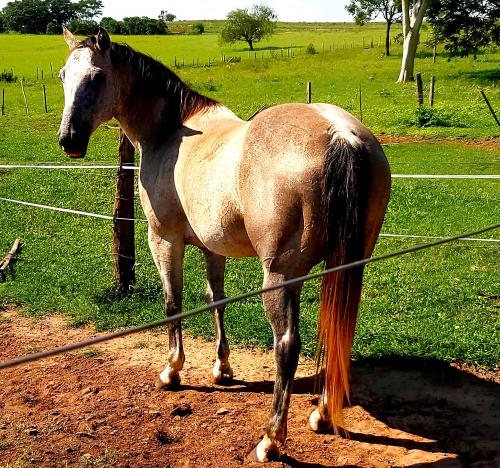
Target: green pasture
440, 303
279, 70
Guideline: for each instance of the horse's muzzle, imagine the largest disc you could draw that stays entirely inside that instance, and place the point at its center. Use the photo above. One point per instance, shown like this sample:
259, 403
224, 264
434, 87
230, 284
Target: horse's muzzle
74, 144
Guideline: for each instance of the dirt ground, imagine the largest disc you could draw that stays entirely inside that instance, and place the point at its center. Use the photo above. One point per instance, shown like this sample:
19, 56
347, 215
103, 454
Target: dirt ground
99, 407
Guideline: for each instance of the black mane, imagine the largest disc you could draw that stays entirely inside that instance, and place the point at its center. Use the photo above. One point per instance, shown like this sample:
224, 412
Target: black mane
152, 78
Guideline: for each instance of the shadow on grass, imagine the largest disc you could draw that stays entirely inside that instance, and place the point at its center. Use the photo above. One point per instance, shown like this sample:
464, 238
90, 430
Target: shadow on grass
455, 409
483, 77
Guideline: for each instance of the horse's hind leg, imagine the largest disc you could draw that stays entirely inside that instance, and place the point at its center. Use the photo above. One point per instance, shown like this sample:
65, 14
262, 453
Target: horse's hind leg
216, 264
168, 257
282, 309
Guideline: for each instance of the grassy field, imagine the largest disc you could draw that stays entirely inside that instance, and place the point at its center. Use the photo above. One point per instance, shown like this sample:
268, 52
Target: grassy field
440, 303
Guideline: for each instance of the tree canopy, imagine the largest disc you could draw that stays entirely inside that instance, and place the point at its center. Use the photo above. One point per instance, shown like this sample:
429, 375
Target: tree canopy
41, 16
249, 25
465, 26
364, 11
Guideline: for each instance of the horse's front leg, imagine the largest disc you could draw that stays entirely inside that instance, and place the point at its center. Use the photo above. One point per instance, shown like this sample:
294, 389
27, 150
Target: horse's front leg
216, 265
168, 256
282, 309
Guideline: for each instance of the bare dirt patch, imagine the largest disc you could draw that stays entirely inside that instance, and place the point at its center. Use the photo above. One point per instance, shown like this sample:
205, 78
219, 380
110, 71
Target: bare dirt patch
98, 407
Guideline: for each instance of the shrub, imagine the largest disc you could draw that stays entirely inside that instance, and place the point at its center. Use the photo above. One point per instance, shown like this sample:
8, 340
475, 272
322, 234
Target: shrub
433, 117
311, 49
8, 76
198, 28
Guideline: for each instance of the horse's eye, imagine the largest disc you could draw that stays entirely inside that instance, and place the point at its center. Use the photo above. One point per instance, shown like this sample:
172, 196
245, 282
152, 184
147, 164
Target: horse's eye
61, 75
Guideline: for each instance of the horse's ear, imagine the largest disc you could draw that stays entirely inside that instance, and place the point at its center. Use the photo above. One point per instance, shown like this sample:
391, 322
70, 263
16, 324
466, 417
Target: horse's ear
71, 40
103, 40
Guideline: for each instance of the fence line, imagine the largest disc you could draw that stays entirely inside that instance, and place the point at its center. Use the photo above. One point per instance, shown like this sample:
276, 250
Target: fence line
136, 168
142, 220
230, 300
67, 210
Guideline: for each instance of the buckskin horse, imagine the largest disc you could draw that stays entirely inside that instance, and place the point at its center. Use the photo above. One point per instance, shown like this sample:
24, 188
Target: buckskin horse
297, 185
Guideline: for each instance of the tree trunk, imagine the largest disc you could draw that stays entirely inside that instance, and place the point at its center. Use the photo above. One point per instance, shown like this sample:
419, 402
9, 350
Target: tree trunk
250, 43
407, 63
411, 30
388, 39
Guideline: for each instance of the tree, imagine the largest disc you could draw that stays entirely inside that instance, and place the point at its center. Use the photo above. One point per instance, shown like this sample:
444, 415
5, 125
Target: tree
166, 17
2, 23
111, 25
143, 25
364, 11
27, 16
249, 25
411, 34
465, 26
61, 13
88, 10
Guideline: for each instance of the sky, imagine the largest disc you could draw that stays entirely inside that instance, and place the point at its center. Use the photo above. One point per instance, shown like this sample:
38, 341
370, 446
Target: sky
287, 10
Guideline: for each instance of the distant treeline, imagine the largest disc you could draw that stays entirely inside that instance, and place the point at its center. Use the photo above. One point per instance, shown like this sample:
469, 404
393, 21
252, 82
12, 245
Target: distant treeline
49, 16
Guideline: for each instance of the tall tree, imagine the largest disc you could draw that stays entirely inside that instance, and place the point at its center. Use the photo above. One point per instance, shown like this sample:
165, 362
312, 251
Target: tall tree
88, 10
26, 16
412, 22
465, 26
61, 13
364, 11
166, 17
249, 25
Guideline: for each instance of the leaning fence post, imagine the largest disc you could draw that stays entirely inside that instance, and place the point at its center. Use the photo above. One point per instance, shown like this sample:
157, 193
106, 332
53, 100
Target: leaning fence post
309, 92
123, 232
360, 105
45, 99
489, 107
24, 96
420, 92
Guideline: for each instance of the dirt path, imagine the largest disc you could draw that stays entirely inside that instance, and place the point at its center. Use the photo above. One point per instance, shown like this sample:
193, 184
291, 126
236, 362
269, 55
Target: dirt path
486, 143
99, 408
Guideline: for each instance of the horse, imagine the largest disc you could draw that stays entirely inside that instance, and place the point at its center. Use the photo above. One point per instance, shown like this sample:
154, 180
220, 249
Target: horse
297, 185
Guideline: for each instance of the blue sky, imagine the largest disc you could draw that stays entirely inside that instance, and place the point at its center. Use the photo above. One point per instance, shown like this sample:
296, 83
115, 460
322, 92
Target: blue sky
288, 10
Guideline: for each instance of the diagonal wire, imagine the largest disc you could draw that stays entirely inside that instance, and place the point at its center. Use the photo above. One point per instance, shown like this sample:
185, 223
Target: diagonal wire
129, 331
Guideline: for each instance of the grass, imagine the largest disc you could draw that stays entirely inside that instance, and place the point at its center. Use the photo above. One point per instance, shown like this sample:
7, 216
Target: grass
439, 303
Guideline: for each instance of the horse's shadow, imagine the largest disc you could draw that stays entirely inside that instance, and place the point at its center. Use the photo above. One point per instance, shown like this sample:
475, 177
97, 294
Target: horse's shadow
457, 411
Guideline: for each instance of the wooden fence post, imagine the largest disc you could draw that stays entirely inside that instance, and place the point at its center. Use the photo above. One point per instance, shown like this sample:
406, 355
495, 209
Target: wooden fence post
45, 99
51, 70
420, 92
123, 232
489, 107
431, 91
24, 96
434, 53
309, 92
360, 105
3, 101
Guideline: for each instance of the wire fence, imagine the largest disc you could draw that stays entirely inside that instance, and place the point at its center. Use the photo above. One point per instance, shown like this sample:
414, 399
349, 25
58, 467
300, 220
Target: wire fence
230, 300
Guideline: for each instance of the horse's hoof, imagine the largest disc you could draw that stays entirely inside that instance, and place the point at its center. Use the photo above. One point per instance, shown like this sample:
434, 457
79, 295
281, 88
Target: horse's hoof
221, 375
266, 451
172, 382
318, 424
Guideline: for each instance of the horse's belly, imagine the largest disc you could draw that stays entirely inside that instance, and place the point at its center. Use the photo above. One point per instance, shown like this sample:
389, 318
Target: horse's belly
220, 228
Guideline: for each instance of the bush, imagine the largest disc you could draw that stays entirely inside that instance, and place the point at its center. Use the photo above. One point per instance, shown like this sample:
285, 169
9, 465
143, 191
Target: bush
198, 28
311, 49
433, 117
8, 77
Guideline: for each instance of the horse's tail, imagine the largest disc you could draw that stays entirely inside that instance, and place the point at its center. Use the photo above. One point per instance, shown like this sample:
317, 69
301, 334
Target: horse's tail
344, 202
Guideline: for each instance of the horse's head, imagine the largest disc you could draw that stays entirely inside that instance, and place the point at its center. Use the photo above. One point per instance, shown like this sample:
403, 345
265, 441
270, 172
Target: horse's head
89, 92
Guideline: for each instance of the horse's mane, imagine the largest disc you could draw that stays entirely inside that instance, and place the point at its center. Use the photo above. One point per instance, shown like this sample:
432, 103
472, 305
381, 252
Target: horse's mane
153, 78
